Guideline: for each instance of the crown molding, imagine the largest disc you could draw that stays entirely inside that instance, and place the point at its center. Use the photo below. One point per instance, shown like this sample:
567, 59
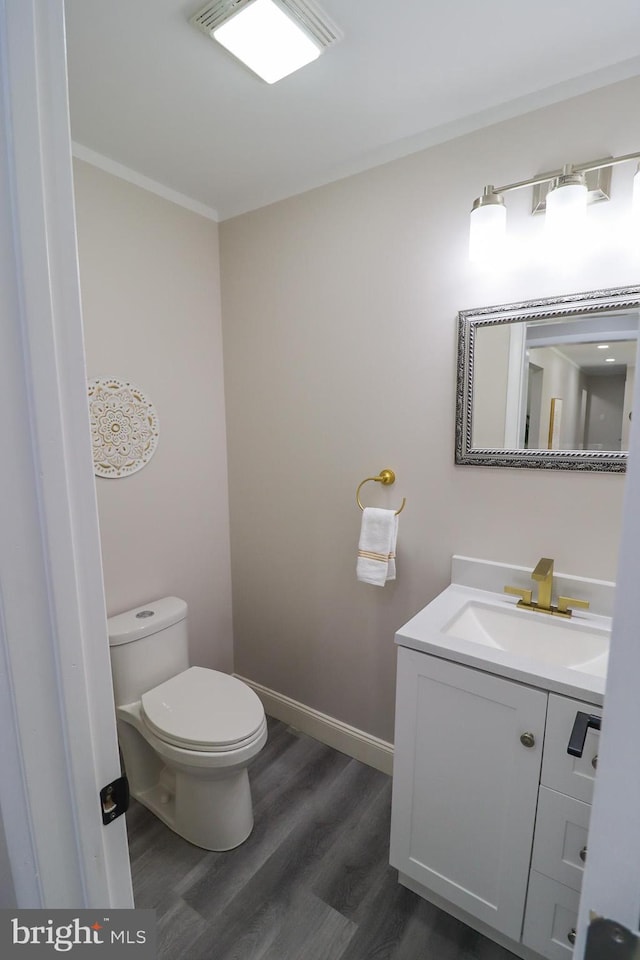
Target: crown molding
83, 153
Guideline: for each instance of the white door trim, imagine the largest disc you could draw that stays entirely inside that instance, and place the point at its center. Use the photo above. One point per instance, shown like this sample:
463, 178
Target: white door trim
611, 886
58, 741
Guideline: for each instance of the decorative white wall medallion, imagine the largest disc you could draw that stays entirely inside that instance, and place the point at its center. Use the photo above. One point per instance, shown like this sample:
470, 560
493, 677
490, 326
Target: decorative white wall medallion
124, 427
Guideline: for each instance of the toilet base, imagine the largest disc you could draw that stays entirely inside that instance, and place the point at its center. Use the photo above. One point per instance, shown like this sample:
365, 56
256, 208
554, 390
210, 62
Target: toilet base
215, 814
204, 798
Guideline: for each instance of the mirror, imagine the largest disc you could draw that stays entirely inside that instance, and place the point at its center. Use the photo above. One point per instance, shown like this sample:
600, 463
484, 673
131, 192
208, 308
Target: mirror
548, 383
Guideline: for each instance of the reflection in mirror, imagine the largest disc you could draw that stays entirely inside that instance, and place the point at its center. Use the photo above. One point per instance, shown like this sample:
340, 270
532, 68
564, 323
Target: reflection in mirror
548, 383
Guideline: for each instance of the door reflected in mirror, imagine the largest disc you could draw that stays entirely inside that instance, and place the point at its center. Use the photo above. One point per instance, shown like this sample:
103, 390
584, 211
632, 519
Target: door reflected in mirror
548, 382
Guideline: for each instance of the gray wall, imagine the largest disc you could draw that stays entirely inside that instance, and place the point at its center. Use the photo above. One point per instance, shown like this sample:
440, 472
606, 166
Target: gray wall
339, 319
149, 274
604, 412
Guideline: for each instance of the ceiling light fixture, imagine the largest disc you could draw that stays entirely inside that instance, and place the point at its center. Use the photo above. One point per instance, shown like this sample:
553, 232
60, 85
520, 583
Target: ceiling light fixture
273, 38
568, 192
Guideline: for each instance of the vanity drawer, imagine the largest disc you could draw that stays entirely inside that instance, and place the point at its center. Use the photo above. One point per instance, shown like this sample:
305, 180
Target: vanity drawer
573, 776
551, 917
560, 841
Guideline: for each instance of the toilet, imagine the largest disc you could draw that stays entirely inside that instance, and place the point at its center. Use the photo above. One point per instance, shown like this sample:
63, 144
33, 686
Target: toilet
186, 733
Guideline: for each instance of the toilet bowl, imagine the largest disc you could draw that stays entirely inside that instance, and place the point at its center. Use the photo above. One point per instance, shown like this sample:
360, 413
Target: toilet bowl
186, 733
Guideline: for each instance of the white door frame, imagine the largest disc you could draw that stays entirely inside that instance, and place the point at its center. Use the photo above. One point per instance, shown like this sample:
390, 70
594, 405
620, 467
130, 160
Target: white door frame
58, 743
611, 886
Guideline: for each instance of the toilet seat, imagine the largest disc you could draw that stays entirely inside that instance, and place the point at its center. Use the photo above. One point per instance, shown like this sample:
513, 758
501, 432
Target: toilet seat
203, 710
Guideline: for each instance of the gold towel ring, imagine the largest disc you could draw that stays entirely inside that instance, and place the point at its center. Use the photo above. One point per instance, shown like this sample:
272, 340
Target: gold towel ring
385, 477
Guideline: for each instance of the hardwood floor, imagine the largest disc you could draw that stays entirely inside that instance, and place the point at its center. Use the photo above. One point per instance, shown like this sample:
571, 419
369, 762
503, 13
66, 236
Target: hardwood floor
312, 882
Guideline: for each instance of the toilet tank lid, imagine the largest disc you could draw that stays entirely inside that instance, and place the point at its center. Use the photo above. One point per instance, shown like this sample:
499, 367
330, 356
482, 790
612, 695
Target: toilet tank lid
145, 620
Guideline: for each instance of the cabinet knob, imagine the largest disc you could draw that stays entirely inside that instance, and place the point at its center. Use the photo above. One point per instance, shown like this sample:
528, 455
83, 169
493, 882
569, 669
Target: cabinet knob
594, 762
583, 854
527, 739
571, 936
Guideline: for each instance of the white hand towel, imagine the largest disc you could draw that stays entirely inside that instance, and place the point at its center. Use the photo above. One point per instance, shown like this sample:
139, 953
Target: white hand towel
377, 546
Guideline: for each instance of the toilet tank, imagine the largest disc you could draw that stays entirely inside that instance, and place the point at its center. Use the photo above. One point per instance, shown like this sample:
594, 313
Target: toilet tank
148, 645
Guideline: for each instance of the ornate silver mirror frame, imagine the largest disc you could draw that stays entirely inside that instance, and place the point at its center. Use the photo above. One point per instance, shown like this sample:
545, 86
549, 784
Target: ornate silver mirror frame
553, 309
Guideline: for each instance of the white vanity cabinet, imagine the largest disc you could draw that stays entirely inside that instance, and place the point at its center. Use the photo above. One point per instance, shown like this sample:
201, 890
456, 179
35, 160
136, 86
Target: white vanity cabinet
466, 772
470, 772
560, 840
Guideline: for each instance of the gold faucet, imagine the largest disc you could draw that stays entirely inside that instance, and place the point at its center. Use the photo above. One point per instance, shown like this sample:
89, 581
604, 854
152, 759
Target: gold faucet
543, 575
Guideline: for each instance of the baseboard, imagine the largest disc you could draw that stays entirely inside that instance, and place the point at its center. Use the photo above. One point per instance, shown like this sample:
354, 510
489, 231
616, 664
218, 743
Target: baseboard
355, 743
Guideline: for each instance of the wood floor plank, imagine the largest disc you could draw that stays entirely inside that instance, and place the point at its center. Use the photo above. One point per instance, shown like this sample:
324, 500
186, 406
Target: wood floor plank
437, 936
143, 830
312, 930
278, 791
312, 882
292, 864
178, 929
382, 929
159, 869
359, 859
274, 822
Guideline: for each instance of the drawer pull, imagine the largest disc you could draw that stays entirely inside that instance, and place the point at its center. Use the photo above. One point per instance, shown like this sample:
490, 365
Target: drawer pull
579, 733
583, 854
527, 740
571, 936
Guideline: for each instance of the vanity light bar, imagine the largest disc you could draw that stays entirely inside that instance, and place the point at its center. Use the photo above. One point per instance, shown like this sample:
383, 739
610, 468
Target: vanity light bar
575, 168
565, 202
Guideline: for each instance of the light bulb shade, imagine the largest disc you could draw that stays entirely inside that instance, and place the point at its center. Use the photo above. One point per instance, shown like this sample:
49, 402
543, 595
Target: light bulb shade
566, 209
267, 40
487, 229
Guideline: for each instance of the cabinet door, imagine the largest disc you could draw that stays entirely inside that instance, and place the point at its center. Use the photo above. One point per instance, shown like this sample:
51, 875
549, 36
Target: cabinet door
465, 786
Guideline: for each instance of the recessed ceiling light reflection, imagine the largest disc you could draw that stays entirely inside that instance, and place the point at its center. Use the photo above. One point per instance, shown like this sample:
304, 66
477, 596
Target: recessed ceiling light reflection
610, 360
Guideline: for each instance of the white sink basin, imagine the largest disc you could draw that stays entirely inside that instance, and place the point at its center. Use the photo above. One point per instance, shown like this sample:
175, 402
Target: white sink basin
552, 640
474, 623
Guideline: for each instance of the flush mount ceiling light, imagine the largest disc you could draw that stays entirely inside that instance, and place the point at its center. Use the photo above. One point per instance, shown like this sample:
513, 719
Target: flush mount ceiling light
563, 194
271, 37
